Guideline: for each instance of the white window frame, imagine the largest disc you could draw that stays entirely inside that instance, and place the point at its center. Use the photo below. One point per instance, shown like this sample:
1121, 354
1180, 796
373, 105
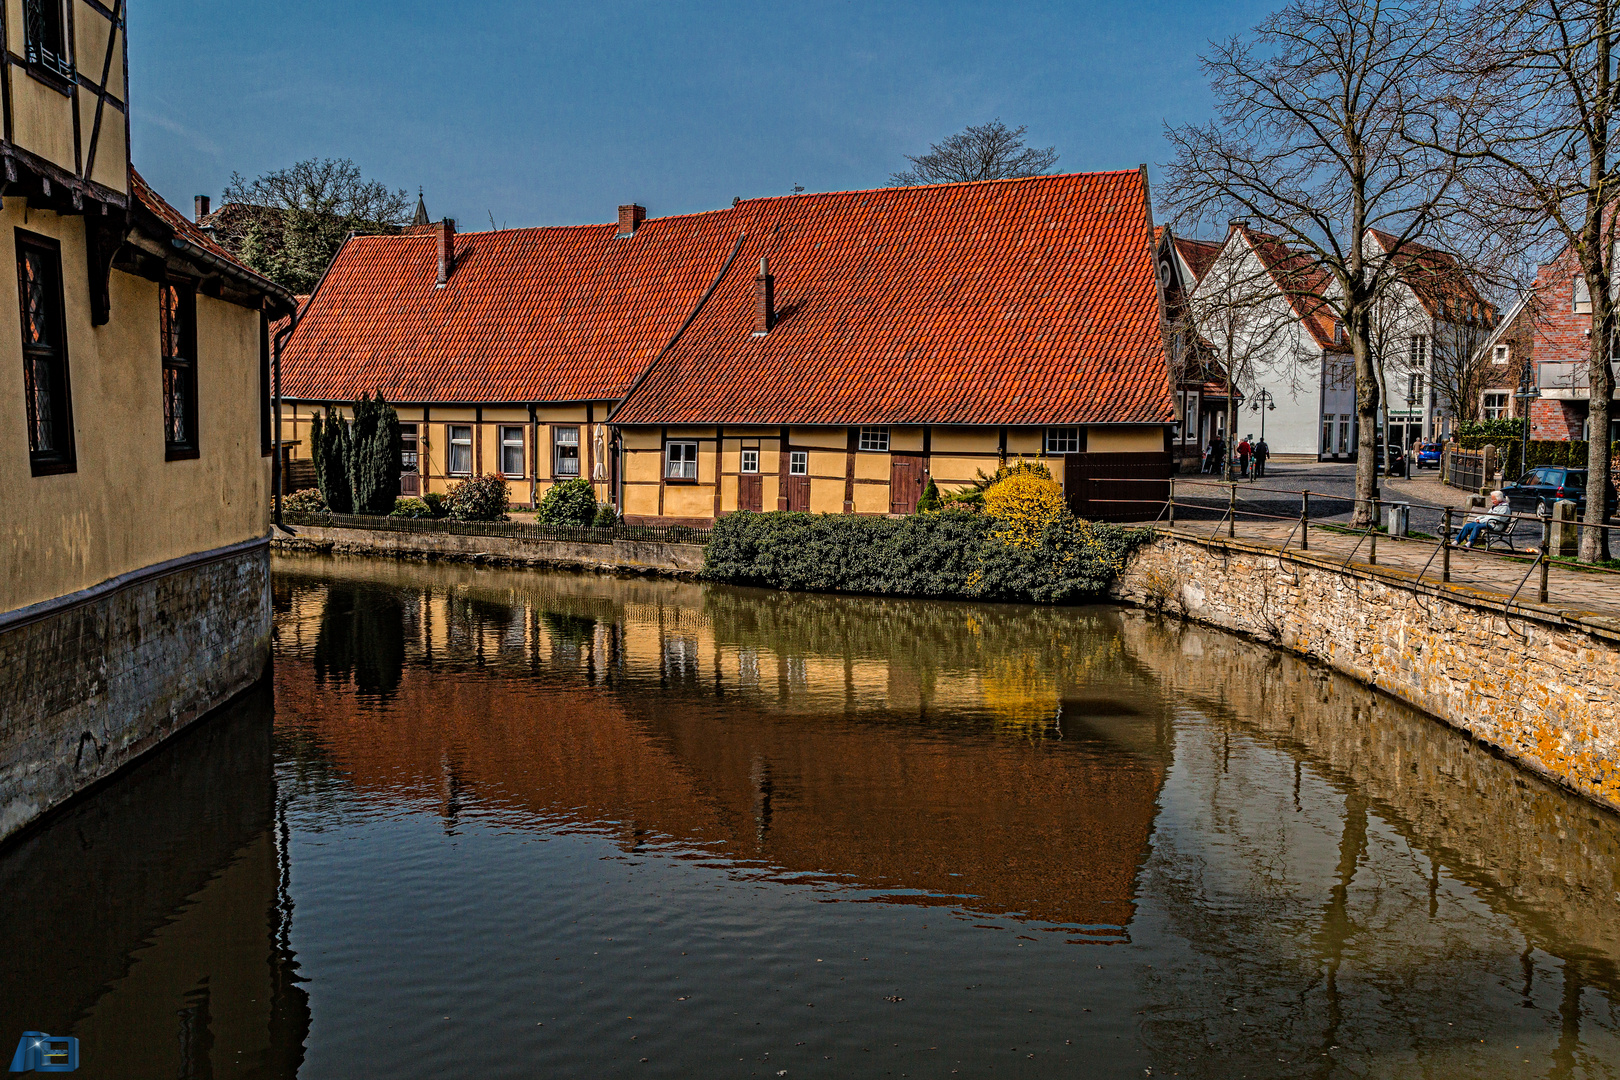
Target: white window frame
748, 461
506, 432
561, 465
463, 443
798, 463
681, 460
1497, 410
1189, 420
1580, 295
875, 439
1501, 354
1063, 440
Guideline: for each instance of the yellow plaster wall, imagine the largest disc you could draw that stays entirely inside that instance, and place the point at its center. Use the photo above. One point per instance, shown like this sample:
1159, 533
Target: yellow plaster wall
872, 466
871, 498
962, 470
827, 463
642, 465
1125, 440
826, 438
826, 496
687, 500
641, 501
125, 507
41, 119
959, 440
640, 438
906, 440
1024, 442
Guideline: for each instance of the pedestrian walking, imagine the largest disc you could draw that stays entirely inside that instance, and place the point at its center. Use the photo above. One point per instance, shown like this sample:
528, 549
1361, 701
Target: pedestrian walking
1244, 450
1261, 453
1214, 455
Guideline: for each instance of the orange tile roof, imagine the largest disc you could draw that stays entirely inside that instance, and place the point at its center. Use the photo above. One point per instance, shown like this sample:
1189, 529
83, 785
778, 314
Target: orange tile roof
529, 315
1030, 301
1438, 280
1199, 255
1303, 282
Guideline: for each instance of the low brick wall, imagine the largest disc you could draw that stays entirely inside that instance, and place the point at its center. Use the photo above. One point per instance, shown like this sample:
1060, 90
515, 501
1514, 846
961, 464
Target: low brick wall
96, 680
1537, 684
619, 556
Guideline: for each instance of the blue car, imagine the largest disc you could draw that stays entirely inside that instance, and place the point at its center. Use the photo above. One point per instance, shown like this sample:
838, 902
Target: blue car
1428, 456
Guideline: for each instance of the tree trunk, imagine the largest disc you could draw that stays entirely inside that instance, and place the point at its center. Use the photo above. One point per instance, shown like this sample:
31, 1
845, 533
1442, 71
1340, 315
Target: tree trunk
1367, 400
1595, 542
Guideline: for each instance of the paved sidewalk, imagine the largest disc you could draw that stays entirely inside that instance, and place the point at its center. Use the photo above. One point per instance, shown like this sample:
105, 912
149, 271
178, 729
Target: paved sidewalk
1571, 591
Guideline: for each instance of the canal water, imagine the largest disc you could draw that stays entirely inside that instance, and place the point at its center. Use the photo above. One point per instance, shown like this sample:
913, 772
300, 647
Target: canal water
493, 823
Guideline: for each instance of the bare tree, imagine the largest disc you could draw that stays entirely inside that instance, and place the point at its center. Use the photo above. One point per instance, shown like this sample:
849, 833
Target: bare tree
289, 223
1549, 173
1307, 142
1248, 323
990, 151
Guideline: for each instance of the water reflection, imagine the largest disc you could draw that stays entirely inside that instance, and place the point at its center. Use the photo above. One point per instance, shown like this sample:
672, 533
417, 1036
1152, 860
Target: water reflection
151, 918
655, 829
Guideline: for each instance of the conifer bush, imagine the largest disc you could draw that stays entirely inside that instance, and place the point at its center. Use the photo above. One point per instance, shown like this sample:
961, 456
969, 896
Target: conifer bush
372, 458
571, 502
928, 502
328, 449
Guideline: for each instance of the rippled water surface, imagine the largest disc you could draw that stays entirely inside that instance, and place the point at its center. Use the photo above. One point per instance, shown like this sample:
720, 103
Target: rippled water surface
515, 824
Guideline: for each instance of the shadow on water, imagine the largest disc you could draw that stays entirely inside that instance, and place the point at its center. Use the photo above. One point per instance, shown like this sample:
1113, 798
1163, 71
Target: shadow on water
151, 918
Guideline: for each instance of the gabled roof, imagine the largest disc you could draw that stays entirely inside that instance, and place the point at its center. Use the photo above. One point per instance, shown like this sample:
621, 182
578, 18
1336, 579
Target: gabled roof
173, 226
1029, 301
1198, 255
549, 314
1302, 282
1437, 279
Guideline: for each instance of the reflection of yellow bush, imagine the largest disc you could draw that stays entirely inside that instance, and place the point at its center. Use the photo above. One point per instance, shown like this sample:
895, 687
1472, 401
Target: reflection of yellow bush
1020, 690
1025, 503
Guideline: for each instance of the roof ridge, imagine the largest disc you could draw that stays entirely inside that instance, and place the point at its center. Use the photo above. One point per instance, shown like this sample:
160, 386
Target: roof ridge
896, 188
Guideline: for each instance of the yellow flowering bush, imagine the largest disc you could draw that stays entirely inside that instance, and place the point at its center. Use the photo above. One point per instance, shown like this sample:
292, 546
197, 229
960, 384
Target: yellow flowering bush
1025, 503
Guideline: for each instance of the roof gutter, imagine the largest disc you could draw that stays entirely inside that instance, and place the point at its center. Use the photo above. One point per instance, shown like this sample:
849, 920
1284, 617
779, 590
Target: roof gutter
236, 270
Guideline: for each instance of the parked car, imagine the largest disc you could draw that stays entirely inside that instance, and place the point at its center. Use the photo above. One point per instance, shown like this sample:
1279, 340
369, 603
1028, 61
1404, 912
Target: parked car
1538, 489
1428, 456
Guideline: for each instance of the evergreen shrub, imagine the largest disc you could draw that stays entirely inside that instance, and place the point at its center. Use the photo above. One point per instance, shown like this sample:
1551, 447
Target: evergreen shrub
606, 517
482, 498
307, 501
329, 450
411, 508
372, 460
571, 502
928, 502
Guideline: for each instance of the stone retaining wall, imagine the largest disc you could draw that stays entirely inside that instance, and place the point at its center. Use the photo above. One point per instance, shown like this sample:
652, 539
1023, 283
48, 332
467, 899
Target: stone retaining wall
620, 556
1537, 684
95, 680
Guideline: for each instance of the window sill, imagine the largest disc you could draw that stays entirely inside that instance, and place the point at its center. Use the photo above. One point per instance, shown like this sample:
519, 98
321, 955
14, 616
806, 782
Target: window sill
180, 453
53, 79
681, 480
53, 468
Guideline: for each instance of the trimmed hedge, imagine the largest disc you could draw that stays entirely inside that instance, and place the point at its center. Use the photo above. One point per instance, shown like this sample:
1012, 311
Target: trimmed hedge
569, 502
950, 554
1570, 452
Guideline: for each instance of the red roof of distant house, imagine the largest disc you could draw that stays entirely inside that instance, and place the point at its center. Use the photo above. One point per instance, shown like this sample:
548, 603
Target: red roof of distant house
1008, 302
551, 314
1030, 301
1438, 280
1304, 283
1199, 255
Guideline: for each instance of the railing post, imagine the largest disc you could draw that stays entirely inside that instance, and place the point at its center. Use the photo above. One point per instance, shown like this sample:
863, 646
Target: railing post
1546, 557
1445, 544
1231, 512
1171, 508
1304, 520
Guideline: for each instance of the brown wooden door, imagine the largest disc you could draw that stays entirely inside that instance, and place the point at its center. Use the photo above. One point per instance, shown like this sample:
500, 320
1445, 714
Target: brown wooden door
798, 493
907, 475
749, 491
1116, 487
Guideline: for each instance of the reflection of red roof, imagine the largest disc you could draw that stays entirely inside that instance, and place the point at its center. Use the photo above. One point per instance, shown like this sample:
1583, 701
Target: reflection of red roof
1303, 282
1199, 255
1437, 280
548, 314
1023, 301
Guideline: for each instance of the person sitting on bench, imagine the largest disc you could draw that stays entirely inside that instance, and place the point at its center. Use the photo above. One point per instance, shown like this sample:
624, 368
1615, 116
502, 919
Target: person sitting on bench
1494, 520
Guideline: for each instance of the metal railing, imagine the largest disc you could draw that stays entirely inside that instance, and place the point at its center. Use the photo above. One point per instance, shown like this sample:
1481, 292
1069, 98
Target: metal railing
1573, 375
515, 530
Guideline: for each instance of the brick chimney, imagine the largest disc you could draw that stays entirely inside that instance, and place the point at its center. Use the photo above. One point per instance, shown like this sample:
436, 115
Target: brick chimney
201, 206
764, 300
446, 234
630, 218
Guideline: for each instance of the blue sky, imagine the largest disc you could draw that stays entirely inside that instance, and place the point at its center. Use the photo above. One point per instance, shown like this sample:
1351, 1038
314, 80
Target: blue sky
541, 113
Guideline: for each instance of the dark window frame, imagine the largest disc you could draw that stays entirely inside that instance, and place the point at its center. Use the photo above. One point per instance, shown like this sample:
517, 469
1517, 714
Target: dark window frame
62, 458
178, 346
49, 61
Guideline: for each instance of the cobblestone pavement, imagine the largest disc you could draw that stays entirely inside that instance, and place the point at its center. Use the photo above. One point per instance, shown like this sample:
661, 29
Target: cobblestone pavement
1594, 592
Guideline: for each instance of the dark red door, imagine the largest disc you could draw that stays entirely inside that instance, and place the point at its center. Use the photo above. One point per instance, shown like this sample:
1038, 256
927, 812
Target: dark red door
749, 491
798, 493
907, 476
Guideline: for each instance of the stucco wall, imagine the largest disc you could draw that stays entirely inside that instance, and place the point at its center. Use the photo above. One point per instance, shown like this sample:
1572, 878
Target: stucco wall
635, 556
125, 506
1538, 685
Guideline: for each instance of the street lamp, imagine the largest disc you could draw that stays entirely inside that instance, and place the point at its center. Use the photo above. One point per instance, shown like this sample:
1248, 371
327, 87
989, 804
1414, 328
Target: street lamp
1526, 395
1262, 397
